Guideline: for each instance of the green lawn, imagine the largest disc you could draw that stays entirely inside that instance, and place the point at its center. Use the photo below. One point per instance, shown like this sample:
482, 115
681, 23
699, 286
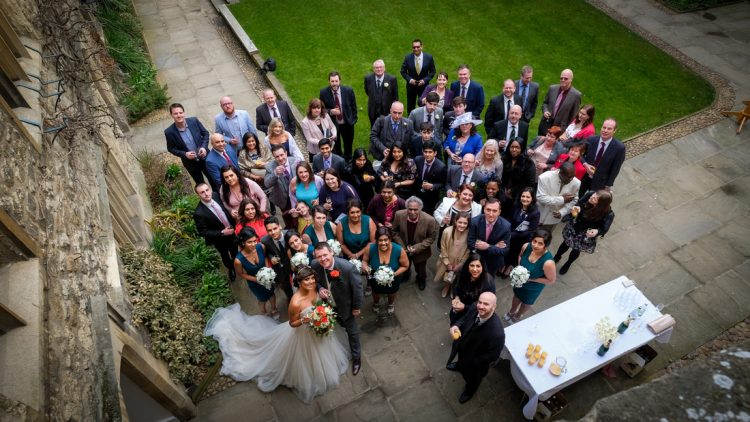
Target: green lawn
620, 73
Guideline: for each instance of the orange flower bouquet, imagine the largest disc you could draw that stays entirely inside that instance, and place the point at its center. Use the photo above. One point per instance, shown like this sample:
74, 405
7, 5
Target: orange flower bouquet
322, 319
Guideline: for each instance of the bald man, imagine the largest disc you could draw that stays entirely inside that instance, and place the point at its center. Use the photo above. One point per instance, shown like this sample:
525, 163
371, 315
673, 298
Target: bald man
481, 339
274, 108
499, 106
390, 129
233, 123
561, 104
511, 128
221, 154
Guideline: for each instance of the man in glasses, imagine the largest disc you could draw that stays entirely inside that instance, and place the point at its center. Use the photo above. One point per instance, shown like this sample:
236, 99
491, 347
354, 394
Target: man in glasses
561, 104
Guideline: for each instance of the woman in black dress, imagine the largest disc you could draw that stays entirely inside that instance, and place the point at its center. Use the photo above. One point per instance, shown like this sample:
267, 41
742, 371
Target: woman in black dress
362, 176
519, 172
594, 218
472, 281
524, 221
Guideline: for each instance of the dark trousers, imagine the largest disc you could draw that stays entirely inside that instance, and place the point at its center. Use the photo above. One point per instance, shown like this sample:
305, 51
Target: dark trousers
421, 268
352, 333
585, 185
227, 249
196, 169
345, 141
413, 92
286, 286
472, 377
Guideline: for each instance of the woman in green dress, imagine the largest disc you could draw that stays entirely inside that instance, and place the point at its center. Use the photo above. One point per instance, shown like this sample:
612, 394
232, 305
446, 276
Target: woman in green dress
355, 231
535, 257
385, 252
321, 230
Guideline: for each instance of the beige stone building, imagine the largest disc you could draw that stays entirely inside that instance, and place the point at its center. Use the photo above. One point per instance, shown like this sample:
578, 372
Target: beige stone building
71, 193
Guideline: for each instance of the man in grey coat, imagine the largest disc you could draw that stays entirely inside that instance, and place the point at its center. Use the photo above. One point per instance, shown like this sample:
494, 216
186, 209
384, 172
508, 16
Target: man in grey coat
279, 174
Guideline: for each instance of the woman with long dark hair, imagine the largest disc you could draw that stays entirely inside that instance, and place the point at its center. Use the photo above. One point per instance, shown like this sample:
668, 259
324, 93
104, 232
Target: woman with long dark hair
519, 172
251, 216
524, 221
235, 188
361, 175
253, 158
453, 251
594, 218
385, 252
472, 281
400, 169
536, 258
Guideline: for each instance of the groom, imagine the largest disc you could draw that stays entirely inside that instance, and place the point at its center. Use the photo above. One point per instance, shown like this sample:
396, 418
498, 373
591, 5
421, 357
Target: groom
340, 285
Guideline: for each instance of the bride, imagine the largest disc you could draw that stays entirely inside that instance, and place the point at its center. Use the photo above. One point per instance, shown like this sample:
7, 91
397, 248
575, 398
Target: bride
260, 349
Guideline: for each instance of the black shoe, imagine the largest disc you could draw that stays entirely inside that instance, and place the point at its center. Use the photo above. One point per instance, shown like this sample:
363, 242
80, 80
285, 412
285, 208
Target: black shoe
564, 269
557, 258
422, 284
232, 275
356, 366
464, 397
451, 366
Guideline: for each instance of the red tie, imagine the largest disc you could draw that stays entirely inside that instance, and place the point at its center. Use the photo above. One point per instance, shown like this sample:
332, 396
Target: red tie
226, 157
488, 232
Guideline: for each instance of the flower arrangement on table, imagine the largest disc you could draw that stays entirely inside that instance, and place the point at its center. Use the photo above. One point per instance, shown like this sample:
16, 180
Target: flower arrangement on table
299, 259
384, 276
322, 318
519, 276
357, 264
265, 277
336, 246
605, 331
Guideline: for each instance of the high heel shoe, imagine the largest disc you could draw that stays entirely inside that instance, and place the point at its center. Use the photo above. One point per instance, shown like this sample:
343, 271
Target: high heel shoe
564, 269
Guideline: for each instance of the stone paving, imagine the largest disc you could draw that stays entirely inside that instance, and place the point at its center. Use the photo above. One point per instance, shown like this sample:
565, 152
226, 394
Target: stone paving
681, 229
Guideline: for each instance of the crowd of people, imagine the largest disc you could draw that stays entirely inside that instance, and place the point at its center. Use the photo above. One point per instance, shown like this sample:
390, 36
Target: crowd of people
429, 183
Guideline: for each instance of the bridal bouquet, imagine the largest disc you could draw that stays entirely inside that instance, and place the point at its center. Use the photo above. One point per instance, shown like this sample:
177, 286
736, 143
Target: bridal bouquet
384, 276
336, 246
605, 330
322, 319
519, 276
357, 264
300, 258
266, 277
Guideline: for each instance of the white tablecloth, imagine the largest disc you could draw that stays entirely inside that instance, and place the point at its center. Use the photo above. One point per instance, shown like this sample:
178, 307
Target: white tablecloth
568, 330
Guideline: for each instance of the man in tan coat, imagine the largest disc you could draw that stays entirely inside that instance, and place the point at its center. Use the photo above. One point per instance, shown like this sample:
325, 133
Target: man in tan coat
416, 231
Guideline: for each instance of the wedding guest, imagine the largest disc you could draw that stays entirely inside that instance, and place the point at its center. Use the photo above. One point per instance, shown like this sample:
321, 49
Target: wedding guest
535, 257
545, 150
463, 138
431, 176
557, 193
326, 159
472, 280
277, 135
480, 344
215, 225
489, 163
581, 127
574, 155
278, 177
236, 188
250, 259
335, 194
518, 173
490, 189
305, 186
441, 88
250, 215
321, 230
316, 126
253, 158
489, 236
355, 231
383, 206
593, 220
302, 215
459, 107
416, 231
295, 245
524, 221
445, 214
362, 176
453, 251
400, 169
385, 252
275, 251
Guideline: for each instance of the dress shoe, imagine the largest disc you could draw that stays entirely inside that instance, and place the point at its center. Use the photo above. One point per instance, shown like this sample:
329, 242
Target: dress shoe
564, 269
356, 366
452, 366
422, 284
232, 275
464, 397
557, 258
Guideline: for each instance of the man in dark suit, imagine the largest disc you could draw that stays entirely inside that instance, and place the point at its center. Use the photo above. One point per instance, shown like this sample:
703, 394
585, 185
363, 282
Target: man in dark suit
276, 252
188, 139
416, 231
216, 226
480, 338
489, 235
327, 159
418, 69
604, 158
561, 104
342, 106
381, 89
221, 154
340, 285
279, 173
512, 128
274, 109
429, 113
459, 108
426, 134
472, 91
529, 93
499, 106
463, 174
431, 176
390, 129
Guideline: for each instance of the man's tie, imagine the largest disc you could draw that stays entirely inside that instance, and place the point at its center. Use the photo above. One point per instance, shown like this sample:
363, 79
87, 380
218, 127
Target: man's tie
512, 133
426, 170
463, 91
377, 83
429, 117
487, 232
226, 157
463, 179
394, 127
599, 154
558, 102
219, 213
340, 117
507, 109
275, 112
326, 164
419, 64
287, 174
523, 94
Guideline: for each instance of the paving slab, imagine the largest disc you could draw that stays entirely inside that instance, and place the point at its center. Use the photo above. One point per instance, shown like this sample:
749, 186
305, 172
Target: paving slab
288, 407
373, 407
664, 280
400, 366
726, 298
707, 257
245, 399
641, 244
422, 402
685, 223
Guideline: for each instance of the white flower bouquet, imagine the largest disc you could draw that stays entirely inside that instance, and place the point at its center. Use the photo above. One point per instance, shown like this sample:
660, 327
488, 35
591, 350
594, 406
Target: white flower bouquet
266, 277
605, 330
357, 264
300, 258
519, 276
336, 246
384, 276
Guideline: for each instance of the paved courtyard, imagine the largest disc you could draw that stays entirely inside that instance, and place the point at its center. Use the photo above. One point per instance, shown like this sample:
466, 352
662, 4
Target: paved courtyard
681, 232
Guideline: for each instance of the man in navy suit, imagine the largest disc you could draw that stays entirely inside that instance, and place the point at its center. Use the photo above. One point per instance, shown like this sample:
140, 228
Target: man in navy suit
221, 154
188, 139
342, 106
481, 339
500, 106
215, 225
431, 176
489, 235
604, 158
327, 159
274, 108
381, 89
472, 91
529, 92
512, 128
417, 70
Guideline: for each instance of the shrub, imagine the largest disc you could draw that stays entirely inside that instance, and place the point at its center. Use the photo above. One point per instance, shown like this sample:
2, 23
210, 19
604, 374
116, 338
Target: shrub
164, 184
192, 260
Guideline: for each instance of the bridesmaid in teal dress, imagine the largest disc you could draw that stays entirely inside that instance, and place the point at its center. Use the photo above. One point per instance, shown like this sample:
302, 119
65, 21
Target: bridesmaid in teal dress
250, 259
355, 230
535, 257
385, 252
321, 230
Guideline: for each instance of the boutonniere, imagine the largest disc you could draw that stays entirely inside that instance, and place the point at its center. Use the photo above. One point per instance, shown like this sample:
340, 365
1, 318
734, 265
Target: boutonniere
334, 275
473, 185
385, 84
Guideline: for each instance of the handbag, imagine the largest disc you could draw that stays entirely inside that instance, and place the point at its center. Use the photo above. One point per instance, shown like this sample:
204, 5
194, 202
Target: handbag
544, 125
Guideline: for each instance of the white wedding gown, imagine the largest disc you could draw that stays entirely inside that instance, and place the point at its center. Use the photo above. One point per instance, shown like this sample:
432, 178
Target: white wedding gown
272, 354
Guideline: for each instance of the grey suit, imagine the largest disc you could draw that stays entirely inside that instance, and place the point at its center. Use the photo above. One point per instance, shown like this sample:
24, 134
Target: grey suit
532, 98
279, 185
417, 117
568, 109
347, 295
382, 135
337, 163
455, 174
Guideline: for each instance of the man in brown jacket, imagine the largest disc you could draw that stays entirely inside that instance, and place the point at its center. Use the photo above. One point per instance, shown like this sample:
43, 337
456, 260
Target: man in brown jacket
416, 231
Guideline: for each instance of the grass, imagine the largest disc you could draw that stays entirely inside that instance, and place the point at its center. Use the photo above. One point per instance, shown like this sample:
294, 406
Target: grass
620, 73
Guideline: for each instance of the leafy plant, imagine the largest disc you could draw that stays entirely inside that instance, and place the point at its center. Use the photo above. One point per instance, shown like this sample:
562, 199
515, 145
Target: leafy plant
173, 171
192, 260
213, 293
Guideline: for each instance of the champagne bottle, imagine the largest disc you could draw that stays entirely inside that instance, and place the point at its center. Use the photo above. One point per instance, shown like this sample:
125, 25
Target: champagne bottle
604, 348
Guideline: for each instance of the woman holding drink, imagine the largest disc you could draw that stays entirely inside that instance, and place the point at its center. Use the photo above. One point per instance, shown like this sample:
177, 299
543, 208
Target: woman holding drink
591, 220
